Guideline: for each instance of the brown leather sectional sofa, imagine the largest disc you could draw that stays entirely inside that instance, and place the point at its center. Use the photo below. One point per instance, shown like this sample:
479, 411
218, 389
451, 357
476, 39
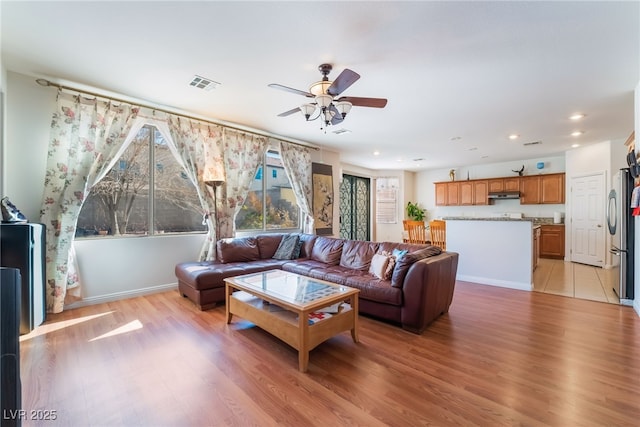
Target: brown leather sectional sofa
420, 289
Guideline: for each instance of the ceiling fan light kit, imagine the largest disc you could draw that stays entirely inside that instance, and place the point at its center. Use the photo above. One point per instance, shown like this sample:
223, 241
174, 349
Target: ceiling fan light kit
324, 92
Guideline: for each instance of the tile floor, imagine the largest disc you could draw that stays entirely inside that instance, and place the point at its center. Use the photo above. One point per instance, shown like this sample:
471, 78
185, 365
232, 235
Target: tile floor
575, 280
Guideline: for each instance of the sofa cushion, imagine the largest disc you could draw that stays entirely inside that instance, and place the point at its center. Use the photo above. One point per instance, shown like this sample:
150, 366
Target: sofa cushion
404, 263
327, 250
334, 274
238, 250
289, 247
268, 243
307, 244
358, 254
373, 289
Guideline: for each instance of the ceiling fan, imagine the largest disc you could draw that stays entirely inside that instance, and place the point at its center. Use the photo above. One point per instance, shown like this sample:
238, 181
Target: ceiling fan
325, 103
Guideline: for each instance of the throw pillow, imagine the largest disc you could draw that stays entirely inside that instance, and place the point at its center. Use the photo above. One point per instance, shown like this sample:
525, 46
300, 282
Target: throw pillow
289, 245
392, 263
403, 264
399, 253
379, 265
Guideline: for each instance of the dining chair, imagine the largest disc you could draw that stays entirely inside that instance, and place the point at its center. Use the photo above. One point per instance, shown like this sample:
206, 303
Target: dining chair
438, 229
416, 230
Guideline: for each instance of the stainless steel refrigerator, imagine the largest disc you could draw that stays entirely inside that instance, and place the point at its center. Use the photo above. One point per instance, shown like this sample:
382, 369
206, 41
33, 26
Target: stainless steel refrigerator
620, 222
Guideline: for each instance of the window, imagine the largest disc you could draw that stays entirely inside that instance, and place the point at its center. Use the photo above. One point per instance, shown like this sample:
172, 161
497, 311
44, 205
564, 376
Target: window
122, 203
270, 204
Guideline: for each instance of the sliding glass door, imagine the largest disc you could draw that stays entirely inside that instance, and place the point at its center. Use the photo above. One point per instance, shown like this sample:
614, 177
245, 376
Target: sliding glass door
355, 208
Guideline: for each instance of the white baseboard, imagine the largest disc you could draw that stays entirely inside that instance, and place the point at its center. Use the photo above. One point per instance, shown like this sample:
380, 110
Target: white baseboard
493, 282
121, 295
636, 306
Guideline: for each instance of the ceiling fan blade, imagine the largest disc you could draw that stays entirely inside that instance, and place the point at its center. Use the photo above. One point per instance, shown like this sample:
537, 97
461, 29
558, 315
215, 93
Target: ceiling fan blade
365, 102
292, 90
290, 112
337, 118
342, 82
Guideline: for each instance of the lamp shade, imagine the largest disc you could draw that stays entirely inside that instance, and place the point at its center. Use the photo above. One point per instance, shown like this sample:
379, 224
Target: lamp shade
324, 100
343, 107
320, 88
307, 110
213, 174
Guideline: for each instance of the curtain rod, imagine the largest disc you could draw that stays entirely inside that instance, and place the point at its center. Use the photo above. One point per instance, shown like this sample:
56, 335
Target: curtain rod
45, 82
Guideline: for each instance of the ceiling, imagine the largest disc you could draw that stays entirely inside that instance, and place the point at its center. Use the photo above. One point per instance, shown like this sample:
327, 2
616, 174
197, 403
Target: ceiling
460, 77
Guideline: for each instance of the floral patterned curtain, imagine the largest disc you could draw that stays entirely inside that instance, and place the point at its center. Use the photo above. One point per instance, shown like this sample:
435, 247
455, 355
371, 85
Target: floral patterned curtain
86, 137
199, 147
242, 154
297, 165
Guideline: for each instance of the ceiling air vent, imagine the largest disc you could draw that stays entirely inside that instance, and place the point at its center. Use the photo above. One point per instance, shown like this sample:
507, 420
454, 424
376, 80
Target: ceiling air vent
203, 83
532, 143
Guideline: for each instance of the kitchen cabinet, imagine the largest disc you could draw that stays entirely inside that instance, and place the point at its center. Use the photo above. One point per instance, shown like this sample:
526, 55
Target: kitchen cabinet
503, 184
534, 189
480, 192
441, 193
448, 193
496, 185
552, 188
472, 192
453, 193
512, 184
530, 190
466, 193
552, 241
542, 189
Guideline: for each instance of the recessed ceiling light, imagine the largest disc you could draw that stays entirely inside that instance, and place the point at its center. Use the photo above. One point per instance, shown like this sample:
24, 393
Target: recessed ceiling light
376, 153
514, 136
575, 146
577, 116
577, 133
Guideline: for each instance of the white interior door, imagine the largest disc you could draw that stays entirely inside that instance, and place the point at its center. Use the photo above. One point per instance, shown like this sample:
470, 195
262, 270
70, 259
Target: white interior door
587, 219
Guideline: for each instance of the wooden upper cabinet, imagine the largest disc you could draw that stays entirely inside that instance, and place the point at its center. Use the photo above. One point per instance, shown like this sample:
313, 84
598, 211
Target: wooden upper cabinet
503, 184
552, 188
542, 189
481, 192
534, 189
530, 190
512, 184
496, 185
466, 193
441, 193
453, 193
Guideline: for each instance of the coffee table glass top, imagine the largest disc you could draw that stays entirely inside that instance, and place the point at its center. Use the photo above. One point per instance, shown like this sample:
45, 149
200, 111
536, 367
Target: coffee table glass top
288, 287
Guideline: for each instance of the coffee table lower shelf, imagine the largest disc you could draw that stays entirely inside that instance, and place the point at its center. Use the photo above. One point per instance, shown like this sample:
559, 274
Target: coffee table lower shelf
293, 327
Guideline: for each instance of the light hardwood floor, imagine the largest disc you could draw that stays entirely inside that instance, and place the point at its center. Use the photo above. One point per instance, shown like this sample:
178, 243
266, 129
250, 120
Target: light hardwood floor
500, 357
575, 280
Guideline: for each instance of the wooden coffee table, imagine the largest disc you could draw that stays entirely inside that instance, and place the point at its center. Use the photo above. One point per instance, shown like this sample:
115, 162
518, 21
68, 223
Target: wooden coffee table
280, 303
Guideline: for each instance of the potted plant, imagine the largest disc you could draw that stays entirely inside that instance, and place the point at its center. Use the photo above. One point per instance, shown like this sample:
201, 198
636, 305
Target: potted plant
415, 212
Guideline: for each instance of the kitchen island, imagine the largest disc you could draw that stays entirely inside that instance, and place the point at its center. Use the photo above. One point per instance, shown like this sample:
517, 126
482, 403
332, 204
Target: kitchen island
493, 251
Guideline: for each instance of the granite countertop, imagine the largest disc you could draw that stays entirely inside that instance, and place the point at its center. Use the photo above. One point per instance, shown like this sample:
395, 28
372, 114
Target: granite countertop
535, 220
